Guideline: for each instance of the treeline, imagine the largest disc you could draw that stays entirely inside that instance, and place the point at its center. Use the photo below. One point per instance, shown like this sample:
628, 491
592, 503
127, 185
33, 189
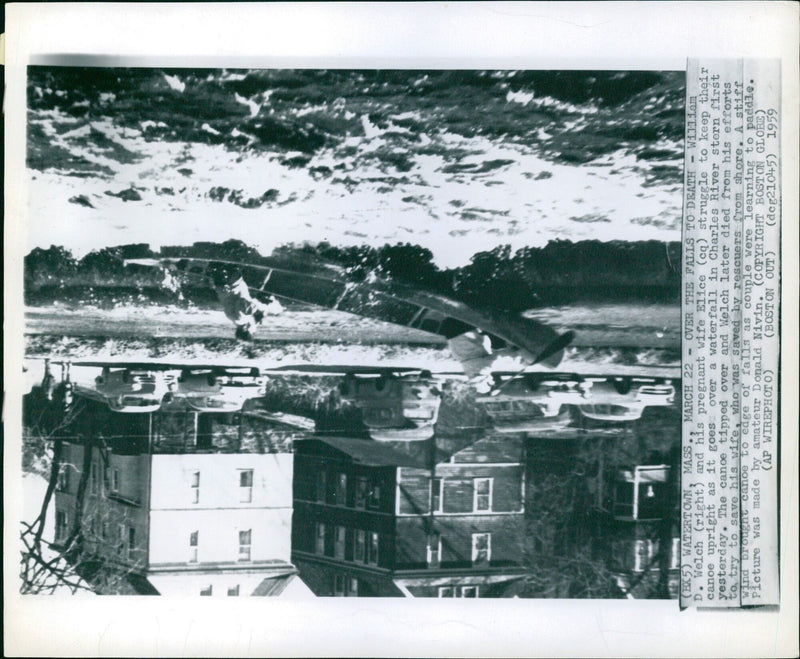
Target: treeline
57, 266
560, 272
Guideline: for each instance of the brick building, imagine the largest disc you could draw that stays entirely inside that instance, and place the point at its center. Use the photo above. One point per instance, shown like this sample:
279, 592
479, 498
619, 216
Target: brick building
397, 519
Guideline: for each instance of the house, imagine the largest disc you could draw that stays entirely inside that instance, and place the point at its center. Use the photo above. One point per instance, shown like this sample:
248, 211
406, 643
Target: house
182, 502
643, 534
383, 519
640, 493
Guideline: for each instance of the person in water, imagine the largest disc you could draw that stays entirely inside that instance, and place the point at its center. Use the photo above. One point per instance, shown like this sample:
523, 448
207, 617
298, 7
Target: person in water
478, 357
246, 312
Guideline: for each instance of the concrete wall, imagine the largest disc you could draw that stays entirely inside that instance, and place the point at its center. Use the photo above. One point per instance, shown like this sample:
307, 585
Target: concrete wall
218, 535
219, 481
220, 513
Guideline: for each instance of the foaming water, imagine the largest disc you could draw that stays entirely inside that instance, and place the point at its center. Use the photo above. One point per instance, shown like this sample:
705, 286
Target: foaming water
456, 161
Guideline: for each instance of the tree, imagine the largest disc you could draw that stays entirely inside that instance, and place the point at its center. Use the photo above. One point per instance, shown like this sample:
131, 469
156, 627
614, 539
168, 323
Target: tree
109, 261
570, 534
71, 558
44, 567
48, 266
579, 575
495, 279
561, 523
102, 263
408, 263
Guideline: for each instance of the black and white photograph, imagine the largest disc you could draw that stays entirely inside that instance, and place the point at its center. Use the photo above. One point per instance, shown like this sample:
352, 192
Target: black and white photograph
356, 333
323, 319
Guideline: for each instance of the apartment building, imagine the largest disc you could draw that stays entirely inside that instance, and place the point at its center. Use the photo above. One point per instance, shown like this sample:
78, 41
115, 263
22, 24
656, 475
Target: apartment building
408, 519
193, 519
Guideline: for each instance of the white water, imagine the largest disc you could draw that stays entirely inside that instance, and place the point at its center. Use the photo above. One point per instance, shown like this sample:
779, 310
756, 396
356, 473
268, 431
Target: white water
524, 203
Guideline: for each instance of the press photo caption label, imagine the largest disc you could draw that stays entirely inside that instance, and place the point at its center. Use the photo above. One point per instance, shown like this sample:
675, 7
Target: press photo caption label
731, 334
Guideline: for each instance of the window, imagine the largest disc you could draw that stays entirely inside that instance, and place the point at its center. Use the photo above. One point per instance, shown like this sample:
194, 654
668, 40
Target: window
344, 586
194, 537
650, 501
643, 554
321, 486
436, 495
482, 493
233, 591
481, 547
319, 541
94, 473
338, 542
121, 546
340, 490
195, 484
61, 525
206, 592
246, 485
131, 540
458, 591
63, 478
372, 548
360, 545
104, 531
339, 581
675, 556
434, 550
361, 493
374, 499
115, 480
244, 545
